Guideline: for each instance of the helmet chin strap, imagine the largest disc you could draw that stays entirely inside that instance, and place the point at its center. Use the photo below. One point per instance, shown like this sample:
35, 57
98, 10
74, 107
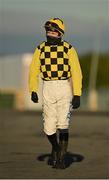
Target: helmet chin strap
53, 40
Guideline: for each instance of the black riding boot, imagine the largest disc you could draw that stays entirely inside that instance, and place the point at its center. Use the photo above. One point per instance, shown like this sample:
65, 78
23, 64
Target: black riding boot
63, 143
55, 149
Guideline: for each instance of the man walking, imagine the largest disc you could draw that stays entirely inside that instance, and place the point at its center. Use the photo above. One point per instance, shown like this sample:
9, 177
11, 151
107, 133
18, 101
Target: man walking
56, 61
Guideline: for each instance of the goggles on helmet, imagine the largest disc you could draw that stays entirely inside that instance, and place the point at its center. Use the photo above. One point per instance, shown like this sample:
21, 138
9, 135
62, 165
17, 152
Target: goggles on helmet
50, 26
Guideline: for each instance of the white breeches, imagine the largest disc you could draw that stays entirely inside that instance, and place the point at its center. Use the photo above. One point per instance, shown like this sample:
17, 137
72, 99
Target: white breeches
57, 96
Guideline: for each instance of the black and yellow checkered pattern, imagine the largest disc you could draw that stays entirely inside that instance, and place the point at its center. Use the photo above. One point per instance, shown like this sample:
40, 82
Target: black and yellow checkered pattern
54, 61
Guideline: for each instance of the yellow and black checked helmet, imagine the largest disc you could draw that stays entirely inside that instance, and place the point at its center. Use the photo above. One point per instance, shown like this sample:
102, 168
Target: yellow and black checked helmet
55, 24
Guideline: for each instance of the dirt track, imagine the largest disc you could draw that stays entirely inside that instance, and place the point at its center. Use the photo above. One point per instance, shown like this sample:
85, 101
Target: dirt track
24, 149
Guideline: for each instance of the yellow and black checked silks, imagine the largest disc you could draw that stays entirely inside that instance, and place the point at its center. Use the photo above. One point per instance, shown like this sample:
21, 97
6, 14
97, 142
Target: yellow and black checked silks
55, 62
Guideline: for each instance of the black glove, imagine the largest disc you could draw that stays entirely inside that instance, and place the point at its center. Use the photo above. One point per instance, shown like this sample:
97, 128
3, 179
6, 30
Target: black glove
76, 102
34, 97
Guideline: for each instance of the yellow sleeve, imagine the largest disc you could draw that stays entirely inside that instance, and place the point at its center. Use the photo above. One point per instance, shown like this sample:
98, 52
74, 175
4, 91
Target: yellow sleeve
76, 73
34, 71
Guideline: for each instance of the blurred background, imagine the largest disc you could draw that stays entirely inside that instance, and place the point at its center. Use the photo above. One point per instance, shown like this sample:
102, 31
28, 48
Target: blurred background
21, 30
23, 145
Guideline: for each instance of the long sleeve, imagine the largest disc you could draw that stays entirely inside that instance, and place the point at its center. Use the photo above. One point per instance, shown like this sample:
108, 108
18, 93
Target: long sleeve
76, 73
34, 71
